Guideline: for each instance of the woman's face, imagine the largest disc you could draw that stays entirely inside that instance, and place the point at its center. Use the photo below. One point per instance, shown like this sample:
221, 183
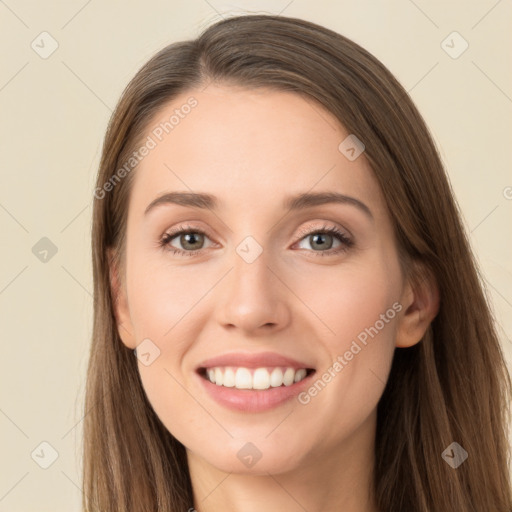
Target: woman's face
260, 281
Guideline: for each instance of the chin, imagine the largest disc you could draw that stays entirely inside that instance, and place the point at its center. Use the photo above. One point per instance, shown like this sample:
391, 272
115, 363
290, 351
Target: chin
253, 457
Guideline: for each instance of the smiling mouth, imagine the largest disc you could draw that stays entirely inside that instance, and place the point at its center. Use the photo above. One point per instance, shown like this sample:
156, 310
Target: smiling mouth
254, 378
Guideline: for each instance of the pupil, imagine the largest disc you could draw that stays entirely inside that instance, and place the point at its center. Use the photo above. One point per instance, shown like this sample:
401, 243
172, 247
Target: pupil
318, 235
189, 239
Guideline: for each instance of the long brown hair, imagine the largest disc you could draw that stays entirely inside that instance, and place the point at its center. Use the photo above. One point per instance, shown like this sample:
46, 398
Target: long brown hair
453, 386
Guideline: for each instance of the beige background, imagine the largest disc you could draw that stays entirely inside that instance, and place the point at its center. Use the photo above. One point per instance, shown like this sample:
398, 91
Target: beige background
54, 113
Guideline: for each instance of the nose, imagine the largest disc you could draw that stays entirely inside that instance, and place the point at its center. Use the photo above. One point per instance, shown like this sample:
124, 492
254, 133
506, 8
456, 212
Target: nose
253, 297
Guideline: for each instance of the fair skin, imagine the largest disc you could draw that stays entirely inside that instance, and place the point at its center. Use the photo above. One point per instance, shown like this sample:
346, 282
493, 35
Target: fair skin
251, 149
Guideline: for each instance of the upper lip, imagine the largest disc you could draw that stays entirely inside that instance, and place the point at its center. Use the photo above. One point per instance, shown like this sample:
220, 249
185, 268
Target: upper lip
254, 360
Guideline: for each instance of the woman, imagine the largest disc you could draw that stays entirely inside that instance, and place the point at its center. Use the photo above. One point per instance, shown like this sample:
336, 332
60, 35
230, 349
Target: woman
275, 239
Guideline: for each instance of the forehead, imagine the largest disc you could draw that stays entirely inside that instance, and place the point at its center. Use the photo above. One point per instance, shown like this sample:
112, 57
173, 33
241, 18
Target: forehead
246, 146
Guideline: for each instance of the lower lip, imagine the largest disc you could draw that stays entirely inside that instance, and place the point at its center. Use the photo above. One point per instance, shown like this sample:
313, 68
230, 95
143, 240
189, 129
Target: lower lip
250, 400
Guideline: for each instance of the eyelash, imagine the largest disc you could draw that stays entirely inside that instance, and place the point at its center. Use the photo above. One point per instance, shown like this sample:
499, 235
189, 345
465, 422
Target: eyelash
345, 241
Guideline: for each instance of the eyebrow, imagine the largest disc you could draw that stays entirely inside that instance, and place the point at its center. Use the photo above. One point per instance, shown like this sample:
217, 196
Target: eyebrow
293, 203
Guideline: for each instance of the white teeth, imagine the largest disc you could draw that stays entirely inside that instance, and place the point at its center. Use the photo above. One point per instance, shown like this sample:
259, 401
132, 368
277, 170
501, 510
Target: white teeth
258, 378
276, 378
261, 379
299, 375
243, 378
288, 376
219, 377
229, 378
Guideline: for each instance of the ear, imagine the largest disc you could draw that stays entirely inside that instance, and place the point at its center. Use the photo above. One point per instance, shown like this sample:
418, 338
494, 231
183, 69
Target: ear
119, 297
420, 301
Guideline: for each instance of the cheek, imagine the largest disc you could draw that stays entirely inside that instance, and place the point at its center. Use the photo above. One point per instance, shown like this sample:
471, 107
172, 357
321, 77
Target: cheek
356, 329
160, 297
164, 304
345, 300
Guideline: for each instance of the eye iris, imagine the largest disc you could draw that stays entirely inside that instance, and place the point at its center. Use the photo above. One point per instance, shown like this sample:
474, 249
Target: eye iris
322, 244
189, 239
